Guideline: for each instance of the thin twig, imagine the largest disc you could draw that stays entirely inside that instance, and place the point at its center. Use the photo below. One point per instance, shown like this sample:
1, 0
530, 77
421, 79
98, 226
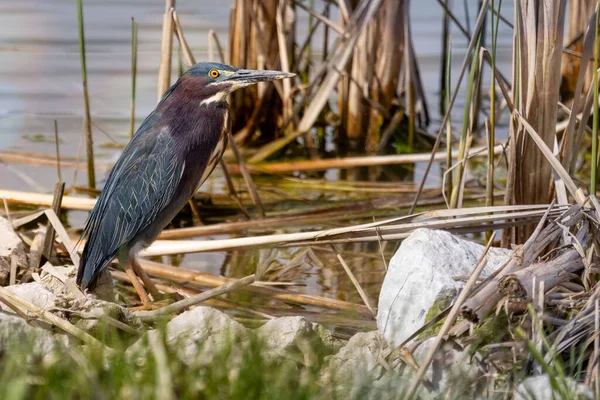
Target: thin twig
359, 289
181, 305
473, 41
56, 142
247, 177
87, 124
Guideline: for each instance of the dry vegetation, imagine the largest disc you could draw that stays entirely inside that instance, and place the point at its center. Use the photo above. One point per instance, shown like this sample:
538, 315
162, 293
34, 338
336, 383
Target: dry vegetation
540, 311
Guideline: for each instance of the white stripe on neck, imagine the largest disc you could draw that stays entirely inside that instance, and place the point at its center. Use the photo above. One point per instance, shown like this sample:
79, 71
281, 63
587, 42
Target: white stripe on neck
220, 96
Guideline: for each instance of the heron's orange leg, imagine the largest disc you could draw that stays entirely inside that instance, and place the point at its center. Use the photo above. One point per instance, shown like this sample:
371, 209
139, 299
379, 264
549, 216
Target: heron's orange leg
139, 288
139, 271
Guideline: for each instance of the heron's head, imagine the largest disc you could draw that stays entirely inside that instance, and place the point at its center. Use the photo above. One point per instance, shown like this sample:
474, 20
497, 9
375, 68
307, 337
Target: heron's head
214, 81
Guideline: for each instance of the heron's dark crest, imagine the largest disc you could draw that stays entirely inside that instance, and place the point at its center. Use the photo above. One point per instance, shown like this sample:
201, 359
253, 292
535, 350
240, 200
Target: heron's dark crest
173, 151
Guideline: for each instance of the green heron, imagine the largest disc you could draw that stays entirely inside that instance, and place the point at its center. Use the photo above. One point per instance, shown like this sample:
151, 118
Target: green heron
172, 153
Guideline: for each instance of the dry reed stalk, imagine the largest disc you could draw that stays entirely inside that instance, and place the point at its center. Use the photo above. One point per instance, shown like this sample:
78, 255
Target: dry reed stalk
201, 279
45, 200
134, 49
63, 235
232, 190
187, 53
470, 48
87, 121
275, 167
181, 305
252, 190
572, 140
537, 62
59, 190
394, 59
579, 14
355, 282
331, 72
551, 159
519, 287
35, 250
57, 146
254, 44
484, 301
382, 230
12, 279
166, 50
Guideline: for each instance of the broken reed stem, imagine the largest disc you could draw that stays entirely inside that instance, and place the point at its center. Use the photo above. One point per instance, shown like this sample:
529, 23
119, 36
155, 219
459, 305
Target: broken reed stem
56, 142
87, 122
213, 38
187, 53
13, 271
449, 321
359, 289
47, 316
134, 49
59, 190
63, 235
181, 305
274, 167
519, 285
197, 279
166, 50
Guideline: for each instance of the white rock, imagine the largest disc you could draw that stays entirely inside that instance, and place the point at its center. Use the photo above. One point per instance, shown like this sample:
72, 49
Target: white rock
425, 264
295, 338
540, 388
358, 370
451, 367
196, 335
32, 292
14, 331
11, 246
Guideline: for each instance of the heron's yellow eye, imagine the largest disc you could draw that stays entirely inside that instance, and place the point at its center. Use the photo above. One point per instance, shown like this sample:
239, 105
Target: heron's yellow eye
214, 73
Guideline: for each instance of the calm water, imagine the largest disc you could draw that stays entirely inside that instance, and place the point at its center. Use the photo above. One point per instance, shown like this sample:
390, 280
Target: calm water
40, 81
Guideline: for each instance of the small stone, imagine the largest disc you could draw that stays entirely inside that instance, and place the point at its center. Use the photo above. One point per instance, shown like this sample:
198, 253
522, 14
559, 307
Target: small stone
425, 264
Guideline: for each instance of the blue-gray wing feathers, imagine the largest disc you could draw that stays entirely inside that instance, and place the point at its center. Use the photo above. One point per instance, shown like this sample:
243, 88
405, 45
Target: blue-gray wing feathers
141, 184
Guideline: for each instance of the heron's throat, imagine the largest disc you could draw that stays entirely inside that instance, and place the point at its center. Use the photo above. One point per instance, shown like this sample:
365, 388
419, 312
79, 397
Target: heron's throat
215, 98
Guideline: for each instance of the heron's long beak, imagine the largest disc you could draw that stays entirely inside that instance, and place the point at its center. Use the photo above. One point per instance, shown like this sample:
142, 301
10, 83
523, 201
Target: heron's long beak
244, 77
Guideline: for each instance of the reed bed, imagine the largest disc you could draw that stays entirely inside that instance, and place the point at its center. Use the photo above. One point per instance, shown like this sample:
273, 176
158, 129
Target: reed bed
282, 215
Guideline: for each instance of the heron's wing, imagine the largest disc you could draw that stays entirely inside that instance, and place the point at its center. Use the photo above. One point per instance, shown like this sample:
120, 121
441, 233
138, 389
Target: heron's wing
141, 184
